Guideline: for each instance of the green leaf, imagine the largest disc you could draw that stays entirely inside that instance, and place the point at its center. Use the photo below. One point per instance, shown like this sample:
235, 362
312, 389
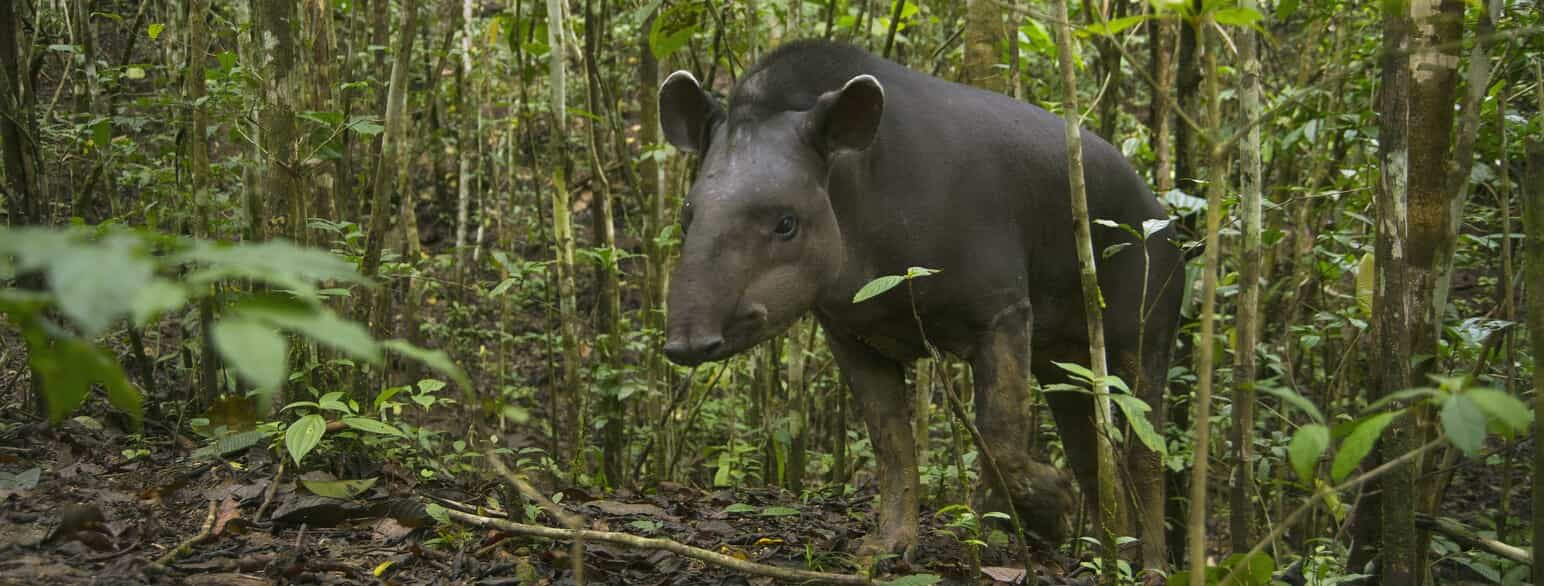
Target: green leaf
779, 512
373, 426
1259, 571
437, 512
739, 508
1357, 444
24, 480
1405, 395
317, 323
1505, 408
98, 283
366, 125
1464, 424
230, 443
1135, 411
339, 489
1153, 226
1078, 371
157, 297
1115, 26
155, 30
430, 385
435, 359
276, 262
1295, 400
876, 287
1308, 444
1239, 16
258, 353
1112, 249
1364, 284
303, 435
674, 27
134, 73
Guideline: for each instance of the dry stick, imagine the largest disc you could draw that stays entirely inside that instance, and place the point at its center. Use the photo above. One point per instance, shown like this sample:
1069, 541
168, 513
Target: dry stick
1468, 538
675, 401
675, 547
1303, 509
573, 522
187, 546
273, 487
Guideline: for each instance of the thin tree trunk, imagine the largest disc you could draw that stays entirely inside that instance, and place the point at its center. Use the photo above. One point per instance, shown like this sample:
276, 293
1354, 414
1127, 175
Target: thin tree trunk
15, 135
571, 406
1391, 303
1109, 522
983, 32
1533, 259
1241, 502
465, 150
392, 154
609, 314
651, 192
1201, 411
198, 177
281, 96
1161, 32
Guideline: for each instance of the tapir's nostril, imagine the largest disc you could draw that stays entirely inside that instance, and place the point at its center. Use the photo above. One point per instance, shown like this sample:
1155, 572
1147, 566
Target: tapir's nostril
693, 351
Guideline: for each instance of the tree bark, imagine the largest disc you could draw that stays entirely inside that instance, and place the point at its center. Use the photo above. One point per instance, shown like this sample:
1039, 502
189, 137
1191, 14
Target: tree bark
609, 310
1161, 39
1201, 411
1533, 259
15, 133
281, 95
1390, 370
392, 153
1241, 500
571, 404
983, 33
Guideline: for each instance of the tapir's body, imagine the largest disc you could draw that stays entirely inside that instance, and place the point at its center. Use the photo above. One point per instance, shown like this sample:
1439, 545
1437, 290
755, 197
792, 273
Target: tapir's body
886, 168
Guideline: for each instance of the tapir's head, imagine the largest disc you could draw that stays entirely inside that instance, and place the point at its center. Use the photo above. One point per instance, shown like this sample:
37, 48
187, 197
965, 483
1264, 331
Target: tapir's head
761, 241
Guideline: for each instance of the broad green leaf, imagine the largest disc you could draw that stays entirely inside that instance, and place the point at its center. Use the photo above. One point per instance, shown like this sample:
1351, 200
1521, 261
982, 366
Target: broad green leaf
154, 30
24, 480
437, 512
430, 385
277, 262
1295, 400
1404, 395
258, 353
1077, 370
876, 287
779, 512
303, 435
739, 508
1135, 411
435, 359
366, 125
1257, 573
1505, 408
230, 443
339, 489
1238, 16
1365, 273
64, 385
320, 324
1112, 249
158, 297
674, 27
1308, 444
372, 426
1357, 444
98, 283
1464, 423
1115, 26
134, 73
1153, 226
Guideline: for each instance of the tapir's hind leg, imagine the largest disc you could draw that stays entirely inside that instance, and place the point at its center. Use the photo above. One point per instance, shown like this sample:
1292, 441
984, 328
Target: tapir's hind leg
879, 385
1039, 492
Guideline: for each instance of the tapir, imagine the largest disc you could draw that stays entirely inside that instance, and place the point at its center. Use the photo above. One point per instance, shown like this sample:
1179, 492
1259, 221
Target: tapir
831, 167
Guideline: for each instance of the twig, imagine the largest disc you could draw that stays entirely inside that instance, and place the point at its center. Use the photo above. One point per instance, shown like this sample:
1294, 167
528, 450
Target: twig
187, 546
573, 522
675, 547
1468, 538
273, 487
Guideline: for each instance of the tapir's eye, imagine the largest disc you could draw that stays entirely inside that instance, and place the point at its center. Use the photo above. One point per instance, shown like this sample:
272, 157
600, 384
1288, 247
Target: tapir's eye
786, 227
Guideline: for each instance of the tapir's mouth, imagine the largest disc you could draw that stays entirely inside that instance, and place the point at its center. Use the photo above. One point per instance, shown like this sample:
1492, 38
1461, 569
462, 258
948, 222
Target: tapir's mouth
739, 336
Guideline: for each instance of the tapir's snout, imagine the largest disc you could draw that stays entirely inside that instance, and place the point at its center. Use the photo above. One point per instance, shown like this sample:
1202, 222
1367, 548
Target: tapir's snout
691, 351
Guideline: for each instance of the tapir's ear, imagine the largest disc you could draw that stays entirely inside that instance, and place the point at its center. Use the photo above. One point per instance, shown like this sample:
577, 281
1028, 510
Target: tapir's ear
848, 118
686, 112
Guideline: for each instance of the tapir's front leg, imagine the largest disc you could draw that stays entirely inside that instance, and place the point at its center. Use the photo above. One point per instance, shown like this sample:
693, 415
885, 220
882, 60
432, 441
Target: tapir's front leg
1000, 365
880, 387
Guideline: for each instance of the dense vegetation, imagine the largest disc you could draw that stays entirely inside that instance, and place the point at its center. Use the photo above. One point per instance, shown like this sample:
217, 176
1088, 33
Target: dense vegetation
395, 254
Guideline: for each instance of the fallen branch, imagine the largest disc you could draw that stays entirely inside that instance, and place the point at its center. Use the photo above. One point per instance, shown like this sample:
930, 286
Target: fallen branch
1468, 538
572, 522
675, 547
185, 547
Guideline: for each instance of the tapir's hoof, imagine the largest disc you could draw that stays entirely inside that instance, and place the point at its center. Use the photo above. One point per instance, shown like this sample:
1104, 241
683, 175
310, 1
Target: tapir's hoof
1042, 496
